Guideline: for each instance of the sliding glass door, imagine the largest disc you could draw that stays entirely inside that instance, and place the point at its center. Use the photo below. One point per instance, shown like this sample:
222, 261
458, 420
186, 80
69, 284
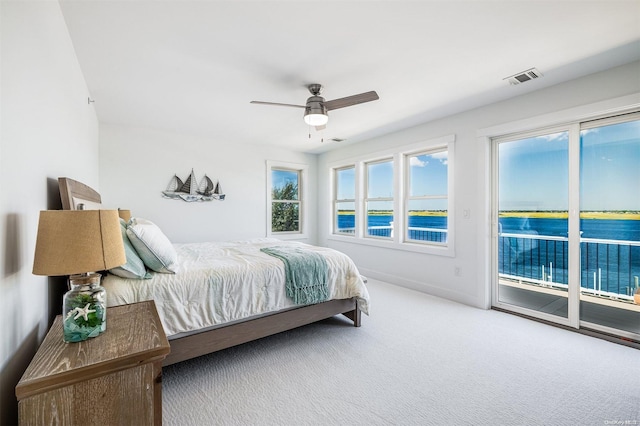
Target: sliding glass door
610, 225
532, 240
566, 244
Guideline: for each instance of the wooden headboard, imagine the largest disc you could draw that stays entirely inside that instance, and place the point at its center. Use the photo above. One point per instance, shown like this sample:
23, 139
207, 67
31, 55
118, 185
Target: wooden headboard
70, 189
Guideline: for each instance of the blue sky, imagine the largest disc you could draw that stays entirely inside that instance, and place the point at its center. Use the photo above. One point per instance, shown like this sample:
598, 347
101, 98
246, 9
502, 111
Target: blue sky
279, 178
428, 174
428, 177
534, 171
346, 183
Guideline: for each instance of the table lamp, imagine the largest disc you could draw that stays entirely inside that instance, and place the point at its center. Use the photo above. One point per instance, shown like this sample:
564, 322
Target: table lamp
124, 214
78, 243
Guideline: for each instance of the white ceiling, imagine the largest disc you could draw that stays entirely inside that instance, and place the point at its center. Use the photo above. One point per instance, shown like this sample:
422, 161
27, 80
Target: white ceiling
192, 67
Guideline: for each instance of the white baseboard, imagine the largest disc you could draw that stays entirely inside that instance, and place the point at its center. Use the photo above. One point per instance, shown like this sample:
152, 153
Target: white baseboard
465, 298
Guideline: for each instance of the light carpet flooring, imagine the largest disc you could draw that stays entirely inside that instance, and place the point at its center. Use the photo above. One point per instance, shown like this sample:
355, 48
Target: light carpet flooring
416, 360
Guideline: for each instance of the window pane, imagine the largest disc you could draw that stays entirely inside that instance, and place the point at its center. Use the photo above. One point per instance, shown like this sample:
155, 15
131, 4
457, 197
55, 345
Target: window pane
380, 218
427, 220
533, 174
610, 178
428, 174
346, 184
533, 198
285, 217
609, 225
380, 180
345, 218
284, 184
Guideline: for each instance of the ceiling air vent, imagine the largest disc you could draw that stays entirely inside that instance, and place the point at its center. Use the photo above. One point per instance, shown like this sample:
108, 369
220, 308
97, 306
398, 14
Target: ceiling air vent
524, 76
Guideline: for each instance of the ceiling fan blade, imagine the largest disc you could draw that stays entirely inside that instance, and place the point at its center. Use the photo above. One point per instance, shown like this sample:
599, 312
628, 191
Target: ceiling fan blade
351, 100
277, 104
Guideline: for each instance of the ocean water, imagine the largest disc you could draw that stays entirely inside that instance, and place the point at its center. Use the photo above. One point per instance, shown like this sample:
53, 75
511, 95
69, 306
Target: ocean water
604, 229
440, 222
432, 222
615, 265
612, 266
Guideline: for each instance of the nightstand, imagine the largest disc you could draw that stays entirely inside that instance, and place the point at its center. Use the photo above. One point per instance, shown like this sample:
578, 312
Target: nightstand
115, 378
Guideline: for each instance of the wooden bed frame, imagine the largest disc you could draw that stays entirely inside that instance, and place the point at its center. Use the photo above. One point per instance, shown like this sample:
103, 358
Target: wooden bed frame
223, 337
231, 335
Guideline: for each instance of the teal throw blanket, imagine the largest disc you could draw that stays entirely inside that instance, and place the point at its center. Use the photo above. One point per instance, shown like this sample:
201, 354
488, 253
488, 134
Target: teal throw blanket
305, 273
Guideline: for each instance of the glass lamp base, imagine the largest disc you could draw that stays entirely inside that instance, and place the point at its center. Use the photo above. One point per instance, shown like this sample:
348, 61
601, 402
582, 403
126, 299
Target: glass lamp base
84, 308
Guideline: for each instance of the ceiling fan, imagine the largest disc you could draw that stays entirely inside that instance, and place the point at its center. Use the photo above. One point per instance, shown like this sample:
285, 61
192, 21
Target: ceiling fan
315, 111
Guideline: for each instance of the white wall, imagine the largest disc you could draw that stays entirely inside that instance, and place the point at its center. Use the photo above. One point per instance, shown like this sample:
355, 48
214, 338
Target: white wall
435, 274
48, 130
136, 165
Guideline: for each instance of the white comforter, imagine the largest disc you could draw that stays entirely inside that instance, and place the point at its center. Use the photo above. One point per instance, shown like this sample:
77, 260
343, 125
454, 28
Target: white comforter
222, 282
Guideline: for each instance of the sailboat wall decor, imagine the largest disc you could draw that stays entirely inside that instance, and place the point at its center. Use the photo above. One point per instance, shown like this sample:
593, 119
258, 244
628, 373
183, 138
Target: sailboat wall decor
190, 190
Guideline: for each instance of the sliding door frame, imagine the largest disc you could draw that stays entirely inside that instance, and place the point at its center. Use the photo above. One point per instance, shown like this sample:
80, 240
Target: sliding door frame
622, 117
569, 119
574, 226
572, 319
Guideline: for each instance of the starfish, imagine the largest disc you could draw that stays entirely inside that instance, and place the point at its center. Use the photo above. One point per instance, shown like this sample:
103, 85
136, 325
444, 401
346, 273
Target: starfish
83, 312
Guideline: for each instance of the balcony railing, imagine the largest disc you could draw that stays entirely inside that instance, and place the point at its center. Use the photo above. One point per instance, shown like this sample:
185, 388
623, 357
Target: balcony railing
609, 268
438, 235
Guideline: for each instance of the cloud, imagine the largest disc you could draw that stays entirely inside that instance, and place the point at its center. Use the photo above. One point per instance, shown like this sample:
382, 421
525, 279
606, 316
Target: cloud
443, 157
417, 162
555, 136
423, 160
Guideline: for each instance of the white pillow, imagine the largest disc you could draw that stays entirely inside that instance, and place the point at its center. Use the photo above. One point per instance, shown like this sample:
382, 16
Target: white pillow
134, 268
153, 247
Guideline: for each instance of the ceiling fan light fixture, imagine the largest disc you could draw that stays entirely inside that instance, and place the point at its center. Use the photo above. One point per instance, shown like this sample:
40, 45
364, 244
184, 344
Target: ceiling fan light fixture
316, 108
315, 113
315, 119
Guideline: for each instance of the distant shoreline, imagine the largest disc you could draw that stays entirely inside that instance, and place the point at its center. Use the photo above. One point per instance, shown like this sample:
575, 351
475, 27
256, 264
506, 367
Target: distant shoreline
612, 215
390, 213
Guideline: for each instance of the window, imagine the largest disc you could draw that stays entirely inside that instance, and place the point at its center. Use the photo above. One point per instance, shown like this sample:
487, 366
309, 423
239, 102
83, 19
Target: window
345, 200
427, 210
285, 201
399, 199
379, 200
286, 198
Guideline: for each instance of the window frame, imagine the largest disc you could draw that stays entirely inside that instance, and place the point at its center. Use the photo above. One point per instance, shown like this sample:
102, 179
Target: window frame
367, 199
303, 171
398, 240
337, 200
407, 186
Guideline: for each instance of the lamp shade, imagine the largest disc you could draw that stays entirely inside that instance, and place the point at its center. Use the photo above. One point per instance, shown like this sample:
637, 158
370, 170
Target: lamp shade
78, 241
124, 214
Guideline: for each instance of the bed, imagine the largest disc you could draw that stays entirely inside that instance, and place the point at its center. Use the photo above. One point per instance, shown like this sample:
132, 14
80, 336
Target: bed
223, 294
